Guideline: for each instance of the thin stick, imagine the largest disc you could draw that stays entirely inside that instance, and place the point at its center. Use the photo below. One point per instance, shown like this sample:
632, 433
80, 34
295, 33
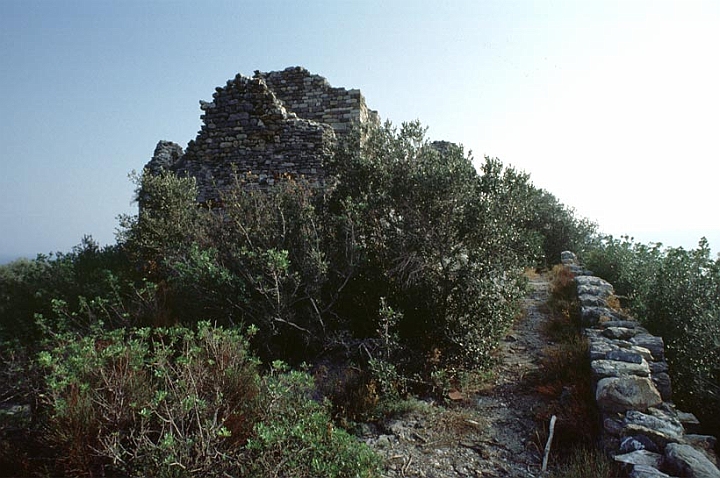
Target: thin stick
549, 443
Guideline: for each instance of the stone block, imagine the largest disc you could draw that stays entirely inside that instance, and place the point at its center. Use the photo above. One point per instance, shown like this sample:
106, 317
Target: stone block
625, 356
661, 429
568, 257
654, 344
640, 457
620, 394
600, 291
685, 460
614, 368
589, 300
704, 443
621, 333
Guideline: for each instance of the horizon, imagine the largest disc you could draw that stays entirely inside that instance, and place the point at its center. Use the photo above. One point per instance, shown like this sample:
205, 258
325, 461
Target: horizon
612, 107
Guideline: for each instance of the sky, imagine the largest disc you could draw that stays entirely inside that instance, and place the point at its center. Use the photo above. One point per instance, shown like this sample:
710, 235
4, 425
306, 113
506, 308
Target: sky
611, 106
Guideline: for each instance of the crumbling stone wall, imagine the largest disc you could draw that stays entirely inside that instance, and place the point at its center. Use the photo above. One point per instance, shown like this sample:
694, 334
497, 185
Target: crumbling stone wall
642, 428
276, 124
311, 97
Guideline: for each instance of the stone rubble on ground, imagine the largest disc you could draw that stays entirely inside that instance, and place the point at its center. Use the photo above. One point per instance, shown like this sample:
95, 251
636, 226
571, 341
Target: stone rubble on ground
642, 428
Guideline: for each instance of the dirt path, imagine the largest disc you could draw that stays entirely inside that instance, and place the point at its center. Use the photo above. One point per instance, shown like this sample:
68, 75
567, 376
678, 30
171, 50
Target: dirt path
491, 433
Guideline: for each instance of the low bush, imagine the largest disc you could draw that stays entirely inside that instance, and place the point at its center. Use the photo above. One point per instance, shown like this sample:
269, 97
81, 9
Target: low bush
185, 402
296, 437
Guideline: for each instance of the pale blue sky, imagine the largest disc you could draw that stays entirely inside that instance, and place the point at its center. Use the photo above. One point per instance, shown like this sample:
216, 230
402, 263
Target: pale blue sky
613, 106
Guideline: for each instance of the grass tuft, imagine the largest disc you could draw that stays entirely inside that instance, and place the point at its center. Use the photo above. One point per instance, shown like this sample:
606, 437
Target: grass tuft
583, 462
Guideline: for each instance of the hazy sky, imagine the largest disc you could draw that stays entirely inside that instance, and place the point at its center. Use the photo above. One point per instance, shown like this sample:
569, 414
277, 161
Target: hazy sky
612, 106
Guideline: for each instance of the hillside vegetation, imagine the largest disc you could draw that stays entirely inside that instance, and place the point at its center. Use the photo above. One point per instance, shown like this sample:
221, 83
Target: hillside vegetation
245, 337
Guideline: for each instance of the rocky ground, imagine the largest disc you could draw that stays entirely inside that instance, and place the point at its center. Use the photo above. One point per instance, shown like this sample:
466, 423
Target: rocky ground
490, 432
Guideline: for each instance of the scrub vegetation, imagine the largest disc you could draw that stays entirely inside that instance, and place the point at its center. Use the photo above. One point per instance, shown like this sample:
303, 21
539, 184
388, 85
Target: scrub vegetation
248, 337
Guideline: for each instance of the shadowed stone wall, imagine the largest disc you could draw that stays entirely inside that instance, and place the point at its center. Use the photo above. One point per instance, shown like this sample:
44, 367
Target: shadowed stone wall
642, 428
273, 125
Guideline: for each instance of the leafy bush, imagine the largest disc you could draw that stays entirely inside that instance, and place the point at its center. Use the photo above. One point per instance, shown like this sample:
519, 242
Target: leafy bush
418, 227
85, 285
401, 220
558, 227
631, 268
149, 401
297, 438
182, 402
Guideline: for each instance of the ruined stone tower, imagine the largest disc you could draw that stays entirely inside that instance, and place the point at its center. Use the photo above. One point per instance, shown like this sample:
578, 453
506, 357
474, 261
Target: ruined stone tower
273, 124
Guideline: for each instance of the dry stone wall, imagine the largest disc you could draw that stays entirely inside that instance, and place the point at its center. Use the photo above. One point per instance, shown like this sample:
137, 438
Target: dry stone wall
273, 125
311, 97
642, 428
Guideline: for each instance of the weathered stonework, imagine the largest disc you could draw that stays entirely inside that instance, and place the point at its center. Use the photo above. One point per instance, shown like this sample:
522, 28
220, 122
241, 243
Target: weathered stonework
273, 125
642, 428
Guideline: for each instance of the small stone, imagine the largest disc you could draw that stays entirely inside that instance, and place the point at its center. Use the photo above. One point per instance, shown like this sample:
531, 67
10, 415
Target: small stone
383, 441
658, 367
628, 324
599, 350
568, 257
613, 426
600, 291
643, 352
660, 429
594, 315
590, 300
593, 281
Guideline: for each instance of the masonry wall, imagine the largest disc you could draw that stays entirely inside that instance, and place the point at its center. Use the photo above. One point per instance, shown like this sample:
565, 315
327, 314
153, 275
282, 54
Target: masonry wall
274, 125
642, 428
311, 97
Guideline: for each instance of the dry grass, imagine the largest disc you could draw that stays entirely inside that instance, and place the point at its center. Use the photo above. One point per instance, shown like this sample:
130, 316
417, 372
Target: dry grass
613, 302
531, 273
564, 377
583, 462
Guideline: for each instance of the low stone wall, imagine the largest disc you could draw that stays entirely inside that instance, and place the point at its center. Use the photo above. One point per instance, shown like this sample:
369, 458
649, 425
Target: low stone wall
642, 428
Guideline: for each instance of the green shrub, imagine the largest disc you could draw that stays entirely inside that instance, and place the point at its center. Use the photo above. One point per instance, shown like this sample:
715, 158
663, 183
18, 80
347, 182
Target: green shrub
75, 289
418, 227
629, 266
184, 402
158, 402
296, 436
